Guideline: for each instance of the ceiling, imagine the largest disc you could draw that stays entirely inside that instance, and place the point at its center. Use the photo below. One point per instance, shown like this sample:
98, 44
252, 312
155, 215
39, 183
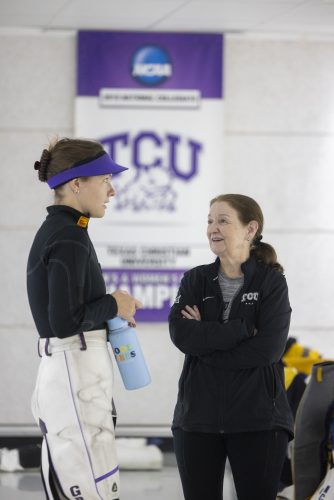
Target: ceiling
308, 18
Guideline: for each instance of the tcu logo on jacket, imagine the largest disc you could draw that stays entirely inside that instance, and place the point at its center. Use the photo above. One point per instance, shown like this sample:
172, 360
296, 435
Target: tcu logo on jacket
251, 296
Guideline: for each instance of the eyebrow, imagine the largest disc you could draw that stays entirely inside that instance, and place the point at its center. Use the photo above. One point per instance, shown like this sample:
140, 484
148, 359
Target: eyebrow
221, 215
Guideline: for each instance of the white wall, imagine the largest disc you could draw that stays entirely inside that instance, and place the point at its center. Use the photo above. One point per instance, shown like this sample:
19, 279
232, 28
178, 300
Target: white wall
279, 149
37, 87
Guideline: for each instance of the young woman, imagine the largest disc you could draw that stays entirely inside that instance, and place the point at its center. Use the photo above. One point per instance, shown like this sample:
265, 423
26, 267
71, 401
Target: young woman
72, 401
231, 319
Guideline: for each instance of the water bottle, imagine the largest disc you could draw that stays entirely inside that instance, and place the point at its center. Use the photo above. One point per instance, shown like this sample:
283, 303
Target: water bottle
128, 354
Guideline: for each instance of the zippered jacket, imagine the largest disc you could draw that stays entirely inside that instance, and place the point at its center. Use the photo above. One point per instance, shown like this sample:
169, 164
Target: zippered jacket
232, 379
66, 289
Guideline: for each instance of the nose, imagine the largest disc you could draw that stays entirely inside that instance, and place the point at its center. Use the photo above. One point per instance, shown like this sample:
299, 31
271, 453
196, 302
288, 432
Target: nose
213, 227
111, 190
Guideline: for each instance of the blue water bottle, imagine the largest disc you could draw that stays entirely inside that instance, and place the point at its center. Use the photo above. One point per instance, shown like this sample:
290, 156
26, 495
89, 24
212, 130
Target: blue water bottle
128, 354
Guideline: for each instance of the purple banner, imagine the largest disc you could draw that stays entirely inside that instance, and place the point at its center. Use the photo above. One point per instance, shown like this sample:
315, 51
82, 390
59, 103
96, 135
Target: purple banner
155, 288
150, 60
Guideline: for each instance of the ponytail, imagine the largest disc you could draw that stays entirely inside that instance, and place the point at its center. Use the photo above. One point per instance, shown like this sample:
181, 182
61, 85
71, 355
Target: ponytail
263, 252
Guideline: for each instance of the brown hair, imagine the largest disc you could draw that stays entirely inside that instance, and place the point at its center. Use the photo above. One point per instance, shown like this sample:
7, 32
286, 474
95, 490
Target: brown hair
63, 154
248, 210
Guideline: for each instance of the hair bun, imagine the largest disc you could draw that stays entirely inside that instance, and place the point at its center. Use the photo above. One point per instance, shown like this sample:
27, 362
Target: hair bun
45, 158
42, 165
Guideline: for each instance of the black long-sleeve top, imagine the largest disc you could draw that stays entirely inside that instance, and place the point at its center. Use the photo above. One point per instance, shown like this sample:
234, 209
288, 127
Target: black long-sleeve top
66, 289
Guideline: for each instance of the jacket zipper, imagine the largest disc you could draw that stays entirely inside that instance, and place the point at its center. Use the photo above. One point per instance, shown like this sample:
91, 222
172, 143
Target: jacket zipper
219, 293
221, 316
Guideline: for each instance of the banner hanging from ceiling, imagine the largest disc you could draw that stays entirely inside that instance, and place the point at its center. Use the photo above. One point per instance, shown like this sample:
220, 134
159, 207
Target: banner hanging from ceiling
155, 101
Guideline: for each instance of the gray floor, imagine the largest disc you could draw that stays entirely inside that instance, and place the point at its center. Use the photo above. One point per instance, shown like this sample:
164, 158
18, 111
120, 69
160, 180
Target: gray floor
138, 485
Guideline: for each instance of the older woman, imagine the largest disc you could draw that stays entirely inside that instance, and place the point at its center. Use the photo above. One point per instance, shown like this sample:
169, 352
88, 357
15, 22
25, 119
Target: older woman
231, 320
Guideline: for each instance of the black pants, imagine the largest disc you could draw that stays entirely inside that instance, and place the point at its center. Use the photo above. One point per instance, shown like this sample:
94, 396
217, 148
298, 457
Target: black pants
256, 460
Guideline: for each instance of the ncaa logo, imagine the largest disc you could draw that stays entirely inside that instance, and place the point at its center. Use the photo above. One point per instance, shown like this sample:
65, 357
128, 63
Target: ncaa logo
151, 65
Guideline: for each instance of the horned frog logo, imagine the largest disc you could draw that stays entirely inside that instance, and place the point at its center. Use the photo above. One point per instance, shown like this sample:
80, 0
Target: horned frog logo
149, 189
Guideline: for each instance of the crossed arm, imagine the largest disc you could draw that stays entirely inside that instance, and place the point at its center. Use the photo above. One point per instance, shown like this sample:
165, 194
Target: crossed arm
233, 345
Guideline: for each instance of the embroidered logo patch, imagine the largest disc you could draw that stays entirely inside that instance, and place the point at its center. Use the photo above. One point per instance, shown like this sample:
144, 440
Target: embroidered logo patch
206, 298
177, 299
250, 297
83, 221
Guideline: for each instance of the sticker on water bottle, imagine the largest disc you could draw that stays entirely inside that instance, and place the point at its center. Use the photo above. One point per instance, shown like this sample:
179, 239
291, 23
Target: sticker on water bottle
124, 352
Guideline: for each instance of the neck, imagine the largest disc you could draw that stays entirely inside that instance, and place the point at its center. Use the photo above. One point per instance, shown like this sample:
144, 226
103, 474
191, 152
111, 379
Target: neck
69, 202
231, 267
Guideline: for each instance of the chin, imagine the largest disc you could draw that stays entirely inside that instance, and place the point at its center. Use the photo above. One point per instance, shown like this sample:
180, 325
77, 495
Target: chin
218, 252
214, 251
97, 214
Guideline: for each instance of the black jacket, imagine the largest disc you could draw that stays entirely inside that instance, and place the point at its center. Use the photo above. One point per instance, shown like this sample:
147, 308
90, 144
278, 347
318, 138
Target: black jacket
66, 289
232, 380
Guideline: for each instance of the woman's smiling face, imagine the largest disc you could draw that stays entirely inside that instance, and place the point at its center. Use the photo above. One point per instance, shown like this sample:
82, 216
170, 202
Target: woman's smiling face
226, 234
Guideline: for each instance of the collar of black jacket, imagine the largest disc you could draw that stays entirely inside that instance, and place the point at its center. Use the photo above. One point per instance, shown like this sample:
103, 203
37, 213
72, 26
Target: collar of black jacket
80, 219
248, 268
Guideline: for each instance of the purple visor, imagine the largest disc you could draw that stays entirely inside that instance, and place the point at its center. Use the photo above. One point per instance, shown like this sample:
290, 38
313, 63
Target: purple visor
99, 166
